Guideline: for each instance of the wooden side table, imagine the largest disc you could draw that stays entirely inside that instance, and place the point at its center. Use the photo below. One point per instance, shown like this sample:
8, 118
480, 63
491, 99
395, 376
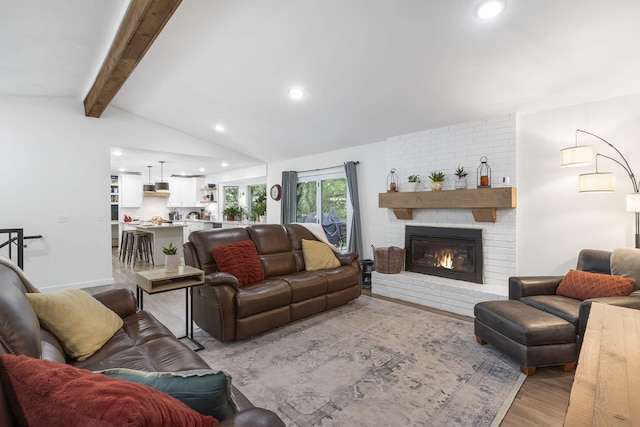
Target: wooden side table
156, 281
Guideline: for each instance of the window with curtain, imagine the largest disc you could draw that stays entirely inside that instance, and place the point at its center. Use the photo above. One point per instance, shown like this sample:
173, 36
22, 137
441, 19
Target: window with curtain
322, 198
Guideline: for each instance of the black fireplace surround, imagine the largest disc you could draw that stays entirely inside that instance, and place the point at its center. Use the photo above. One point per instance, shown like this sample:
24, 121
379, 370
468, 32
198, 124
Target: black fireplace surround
455, 253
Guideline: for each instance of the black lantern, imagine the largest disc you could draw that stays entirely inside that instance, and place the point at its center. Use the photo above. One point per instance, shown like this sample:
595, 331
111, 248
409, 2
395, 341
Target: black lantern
484, 173
392, 181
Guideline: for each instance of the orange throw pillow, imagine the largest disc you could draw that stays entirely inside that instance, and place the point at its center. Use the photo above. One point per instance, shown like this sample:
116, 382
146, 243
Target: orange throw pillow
240, 259
42, 392
583, 285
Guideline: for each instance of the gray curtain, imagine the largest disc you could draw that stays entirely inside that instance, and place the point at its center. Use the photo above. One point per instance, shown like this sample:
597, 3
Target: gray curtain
355, 235
289, 198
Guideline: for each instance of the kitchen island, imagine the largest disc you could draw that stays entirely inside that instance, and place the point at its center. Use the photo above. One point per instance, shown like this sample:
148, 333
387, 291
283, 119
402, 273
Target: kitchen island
192, 225
163, 235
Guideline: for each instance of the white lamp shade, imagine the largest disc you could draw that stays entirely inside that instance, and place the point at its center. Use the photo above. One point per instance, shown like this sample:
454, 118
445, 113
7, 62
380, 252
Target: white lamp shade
595, 182
577, 156
633, 202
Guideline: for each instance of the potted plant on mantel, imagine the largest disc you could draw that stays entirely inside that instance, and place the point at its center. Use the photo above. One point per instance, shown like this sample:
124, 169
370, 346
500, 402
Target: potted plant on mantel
232, 211
414, 182
461, 182
171, 258
437, 178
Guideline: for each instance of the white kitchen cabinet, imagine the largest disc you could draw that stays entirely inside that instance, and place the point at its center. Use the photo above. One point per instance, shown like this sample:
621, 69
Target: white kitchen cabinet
183, 192
130, 191
175, 192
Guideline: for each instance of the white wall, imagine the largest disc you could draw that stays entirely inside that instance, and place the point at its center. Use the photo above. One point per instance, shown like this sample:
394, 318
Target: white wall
555, 220
56, 163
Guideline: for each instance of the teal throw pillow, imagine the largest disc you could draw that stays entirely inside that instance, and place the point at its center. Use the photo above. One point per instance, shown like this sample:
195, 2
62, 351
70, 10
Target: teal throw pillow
203, 390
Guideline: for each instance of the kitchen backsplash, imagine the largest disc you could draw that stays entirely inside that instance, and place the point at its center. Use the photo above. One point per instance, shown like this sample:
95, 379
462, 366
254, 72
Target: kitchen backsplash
155, 206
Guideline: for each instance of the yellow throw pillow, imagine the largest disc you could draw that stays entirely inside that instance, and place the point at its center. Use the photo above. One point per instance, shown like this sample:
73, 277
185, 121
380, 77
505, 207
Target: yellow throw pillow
318, 255
81, 323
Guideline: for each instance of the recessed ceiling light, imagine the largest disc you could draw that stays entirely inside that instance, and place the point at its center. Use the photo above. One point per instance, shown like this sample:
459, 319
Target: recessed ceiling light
202, 169
296, 93
219, 127
224, 164
490, 9
183, 173
117, 153
122, 169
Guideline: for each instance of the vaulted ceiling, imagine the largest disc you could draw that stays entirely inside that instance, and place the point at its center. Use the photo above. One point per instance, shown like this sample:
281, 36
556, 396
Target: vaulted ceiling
370, 69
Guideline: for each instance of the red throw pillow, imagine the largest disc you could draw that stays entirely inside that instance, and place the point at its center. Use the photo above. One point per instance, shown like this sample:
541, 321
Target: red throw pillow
240, 259
42, 392
584, 285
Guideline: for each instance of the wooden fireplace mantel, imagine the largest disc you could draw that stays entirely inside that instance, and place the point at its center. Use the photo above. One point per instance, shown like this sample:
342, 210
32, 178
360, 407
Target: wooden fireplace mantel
483, 202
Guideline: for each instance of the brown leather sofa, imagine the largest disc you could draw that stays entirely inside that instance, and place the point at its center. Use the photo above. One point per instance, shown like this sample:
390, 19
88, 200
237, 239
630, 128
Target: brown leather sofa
289, 292
143, 343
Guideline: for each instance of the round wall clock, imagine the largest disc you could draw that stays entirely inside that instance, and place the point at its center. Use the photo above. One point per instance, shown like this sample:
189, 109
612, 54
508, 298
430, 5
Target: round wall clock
276, 192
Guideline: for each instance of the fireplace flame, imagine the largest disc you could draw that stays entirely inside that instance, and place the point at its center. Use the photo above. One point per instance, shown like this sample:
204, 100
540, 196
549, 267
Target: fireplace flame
445, 259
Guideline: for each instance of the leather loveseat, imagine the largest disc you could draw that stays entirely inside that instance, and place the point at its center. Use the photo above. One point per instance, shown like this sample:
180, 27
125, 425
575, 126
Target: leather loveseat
288, 292
143, 343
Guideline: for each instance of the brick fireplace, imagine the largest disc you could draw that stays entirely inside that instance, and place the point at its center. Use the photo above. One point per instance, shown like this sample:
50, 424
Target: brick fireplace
444, 149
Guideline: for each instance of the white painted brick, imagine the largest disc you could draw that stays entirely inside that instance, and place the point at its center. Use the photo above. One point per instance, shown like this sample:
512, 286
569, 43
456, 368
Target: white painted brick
444, 149
440, 293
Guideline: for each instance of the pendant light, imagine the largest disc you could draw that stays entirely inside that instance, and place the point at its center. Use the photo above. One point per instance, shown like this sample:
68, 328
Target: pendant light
161, 185
149, 186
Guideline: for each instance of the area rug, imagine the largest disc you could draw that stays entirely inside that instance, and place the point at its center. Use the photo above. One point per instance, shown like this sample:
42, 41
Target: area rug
371, 362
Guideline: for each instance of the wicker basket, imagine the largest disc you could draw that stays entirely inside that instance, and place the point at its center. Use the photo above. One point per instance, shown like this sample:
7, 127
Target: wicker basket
388, 260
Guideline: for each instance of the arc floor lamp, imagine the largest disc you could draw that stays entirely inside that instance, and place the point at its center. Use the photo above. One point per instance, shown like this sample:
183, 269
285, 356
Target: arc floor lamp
581, 155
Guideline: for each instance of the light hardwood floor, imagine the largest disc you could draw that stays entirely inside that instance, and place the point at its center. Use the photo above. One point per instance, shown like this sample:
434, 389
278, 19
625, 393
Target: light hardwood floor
542, 401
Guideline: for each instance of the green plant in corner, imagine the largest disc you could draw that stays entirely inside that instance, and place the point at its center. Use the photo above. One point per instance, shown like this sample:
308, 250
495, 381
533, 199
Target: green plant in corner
170, 250
414, 178
460, 172
436, 176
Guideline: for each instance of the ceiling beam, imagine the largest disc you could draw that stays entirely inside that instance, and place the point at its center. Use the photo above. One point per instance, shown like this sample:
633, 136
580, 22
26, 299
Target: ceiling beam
140, 26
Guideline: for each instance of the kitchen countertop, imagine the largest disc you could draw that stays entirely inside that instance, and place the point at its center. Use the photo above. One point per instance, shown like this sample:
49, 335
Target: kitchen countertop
197, 220
165, 225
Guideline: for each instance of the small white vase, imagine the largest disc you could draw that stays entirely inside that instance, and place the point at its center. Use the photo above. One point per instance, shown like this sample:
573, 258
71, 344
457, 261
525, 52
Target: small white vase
461, 184
413, 186
171, 263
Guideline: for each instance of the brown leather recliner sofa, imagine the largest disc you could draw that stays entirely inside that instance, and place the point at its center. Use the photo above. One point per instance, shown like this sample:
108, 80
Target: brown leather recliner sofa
289, 292
143, 343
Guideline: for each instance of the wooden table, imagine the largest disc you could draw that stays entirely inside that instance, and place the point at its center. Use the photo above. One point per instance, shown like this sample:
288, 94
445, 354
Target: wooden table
158, 280
606, 388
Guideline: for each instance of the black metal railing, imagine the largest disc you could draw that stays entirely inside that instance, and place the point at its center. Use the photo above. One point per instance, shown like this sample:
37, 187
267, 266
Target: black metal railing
17, 240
